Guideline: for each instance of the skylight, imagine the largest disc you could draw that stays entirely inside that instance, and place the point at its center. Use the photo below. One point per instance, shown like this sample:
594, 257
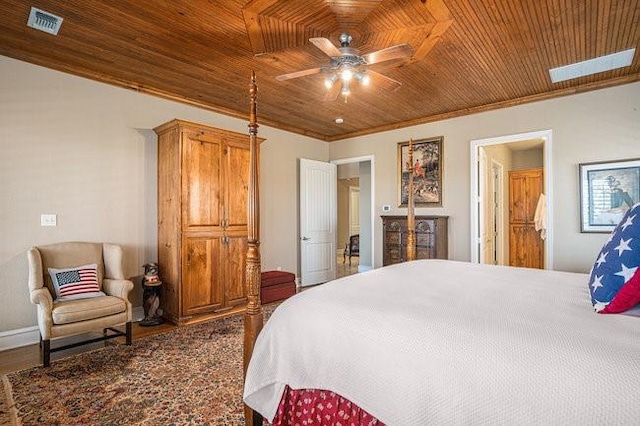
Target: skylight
592, 66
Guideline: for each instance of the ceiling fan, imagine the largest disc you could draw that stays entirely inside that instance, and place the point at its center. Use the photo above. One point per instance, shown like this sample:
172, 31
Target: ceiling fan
348, 65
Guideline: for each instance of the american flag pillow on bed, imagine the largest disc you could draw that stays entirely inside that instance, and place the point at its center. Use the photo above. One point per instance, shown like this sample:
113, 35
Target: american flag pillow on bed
76, 283
615, 278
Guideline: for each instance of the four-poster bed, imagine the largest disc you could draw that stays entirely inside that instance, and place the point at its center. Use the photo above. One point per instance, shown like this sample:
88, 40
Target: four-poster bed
437, 342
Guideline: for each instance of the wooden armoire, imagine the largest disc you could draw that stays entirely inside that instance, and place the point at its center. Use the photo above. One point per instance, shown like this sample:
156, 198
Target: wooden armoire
202, 220
526, 247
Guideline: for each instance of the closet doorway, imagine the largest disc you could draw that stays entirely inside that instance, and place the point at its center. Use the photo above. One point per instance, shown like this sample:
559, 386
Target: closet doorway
503, 207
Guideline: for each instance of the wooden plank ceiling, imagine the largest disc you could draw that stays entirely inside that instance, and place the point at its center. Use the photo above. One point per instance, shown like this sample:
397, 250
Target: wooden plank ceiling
469, 56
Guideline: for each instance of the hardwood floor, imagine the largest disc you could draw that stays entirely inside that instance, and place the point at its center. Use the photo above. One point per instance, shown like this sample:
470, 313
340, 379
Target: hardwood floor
343, 269
29, 356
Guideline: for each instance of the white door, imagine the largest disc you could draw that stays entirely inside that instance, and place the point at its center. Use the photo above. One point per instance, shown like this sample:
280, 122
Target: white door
483, 237
318, 221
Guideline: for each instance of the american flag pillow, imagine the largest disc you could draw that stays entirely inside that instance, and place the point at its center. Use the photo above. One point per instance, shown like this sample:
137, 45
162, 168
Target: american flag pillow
76, 283
615, 277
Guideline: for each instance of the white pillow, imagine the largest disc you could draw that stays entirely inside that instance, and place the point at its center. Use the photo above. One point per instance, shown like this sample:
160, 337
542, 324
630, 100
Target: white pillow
78, 282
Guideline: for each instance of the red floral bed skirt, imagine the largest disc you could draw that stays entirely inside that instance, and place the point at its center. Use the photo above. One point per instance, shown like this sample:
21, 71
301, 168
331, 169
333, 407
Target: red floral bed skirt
320, 407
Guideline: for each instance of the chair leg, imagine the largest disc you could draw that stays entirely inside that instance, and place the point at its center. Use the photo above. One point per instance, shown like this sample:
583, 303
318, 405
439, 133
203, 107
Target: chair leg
349, 259
129, 333
46, 352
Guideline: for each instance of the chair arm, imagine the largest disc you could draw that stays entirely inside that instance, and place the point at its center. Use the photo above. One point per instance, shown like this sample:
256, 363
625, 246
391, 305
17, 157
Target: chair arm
117, 288
36, 280
42, 297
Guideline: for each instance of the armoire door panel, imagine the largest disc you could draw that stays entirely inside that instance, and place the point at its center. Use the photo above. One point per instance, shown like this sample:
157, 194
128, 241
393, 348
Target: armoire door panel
235, 268
237, 185
201, 290
202, 181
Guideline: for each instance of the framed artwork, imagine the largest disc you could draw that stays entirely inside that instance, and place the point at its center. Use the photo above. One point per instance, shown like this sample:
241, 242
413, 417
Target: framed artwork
427, 172
607, 191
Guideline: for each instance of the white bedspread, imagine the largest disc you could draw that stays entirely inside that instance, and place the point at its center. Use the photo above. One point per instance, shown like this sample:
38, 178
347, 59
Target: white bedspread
441, 342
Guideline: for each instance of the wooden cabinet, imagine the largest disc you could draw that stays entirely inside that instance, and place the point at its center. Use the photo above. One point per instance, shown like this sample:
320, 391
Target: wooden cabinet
202, 220
431, 238
526, 248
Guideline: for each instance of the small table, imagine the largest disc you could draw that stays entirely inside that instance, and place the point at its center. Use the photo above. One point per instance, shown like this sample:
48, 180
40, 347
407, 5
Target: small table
151, 303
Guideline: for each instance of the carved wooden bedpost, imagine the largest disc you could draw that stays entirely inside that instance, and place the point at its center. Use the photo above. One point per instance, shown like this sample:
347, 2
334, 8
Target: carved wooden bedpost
253, 319
411, 217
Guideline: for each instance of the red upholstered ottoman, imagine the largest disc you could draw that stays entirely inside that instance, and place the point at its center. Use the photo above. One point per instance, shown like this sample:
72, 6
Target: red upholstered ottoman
276, 285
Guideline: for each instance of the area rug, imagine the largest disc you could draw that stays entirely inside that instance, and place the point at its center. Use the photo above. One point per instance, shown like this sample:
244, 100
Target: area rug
188, 376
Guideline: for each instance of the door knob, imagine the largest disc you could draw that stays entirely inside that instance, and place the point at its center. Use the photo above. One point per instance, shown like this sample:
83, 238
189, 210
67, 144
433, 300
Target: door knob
305, 238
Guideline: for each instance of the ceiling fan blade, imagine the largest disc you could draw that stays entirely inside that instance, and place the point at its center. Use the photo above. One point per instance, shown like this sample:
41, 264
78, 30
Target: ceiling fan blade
333, 92
326, 46
399, 51
298, 74
384, 82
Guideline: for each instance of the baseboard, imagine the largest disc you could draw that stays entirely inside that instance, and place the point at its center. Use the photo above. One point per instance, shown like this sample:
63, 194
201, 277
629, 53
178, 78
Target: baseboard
31, 335
18, 338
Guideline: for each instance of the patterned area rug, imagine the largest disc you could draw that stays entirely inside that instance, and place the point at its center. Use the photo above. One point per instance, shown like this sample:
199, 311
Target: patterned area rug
188, 376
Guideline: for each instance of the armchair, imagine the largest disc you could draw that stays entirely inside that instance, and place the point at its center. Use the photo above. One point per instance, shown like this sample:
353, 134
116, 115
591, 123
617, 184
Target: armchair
76, 314
352, 248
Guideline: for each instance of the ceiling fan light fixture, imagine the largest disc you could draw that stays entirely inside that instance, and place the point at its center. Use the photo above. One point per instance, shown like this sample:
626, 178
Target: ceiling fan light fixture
363, 78
347, 74
345, 91
329, 81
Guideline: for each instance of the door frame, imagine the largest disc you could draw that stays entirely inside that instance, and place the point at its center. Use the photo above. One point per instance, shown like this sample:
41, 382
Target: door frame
371, 159
497, 186
546, 136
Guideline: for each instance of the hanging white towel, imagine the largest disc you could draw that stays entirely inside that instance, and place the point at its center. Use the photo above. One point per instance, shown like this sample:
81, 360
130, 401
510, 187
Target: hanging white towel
540, 218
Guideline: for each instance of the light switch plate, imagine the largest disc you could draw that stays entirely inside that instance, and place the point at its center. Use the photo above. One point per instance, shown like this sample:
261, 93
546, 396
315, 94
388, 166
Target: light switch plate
48, 220
386, 208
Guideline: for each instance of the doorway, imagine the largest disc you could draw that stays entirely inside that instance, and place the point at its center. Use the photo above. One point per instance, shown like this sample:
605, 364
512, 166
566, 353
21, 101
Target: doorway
490, 192
355, 212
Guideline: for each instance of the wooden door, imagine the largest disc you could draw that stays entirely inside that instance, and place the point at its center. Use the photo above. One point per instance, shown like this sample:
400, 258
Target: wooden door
526, 248
201, 180
202, 290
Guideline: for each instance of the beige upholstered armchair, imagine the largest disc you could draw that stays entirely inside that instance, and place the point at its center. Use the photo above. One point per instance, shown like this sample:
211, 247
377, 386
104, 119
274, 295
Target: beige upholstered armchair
87, 292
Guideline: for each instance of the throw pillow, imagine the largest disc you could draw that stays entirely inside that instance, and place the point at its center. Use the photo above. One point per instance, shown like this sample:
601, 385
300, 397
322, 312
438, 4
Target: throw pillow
76, 283
615, 277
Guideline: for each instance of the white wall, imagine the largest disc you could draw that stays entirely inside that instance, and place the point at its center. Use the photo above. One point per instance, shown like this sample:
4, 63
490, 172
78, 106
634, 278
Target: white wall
86, 151
528, 159
591, 126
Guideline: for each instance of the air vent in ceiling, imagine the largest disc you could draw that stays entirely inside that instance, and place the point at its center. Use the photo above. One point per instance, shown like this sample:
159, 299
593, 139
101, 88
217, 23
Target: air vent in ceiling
44, 21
